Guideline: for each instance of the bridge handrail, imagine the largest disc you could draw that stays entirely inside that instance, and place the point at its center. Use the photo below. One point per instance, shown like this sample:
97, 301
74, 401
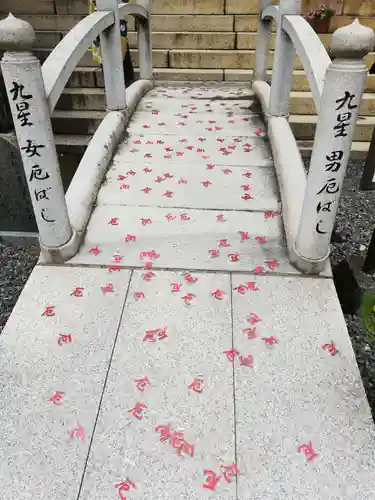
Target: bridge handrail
33, 92
309, 206
64, 58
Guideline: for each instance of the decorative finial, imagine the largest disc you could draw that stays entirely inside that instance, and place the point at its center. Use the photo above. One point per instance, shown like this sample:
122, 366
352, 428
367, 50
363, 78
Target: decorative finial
353, 41
16, 35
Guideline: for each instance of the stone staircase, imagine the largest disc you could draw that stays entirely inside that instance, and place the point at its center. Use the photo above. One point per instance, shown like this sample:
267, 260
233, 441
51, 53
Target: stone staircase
209, 40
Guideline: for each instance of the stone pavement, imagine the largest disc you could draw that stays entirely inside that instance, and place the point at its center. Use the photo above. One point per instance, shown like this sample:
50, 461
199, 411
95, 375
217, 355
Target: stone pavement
179, 355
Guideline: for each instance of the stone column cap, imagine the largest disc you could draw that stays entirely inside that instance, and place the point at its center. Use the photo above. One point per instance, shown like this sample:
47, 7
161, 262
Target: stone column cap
353, 41
16, 35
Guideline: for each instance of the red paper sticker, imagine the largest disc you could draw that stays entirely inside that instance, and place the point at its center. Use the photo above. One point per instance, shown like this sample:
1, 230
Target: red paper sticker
253, 319
112, 268
137, 411
196, 385
147, 170
258, 270
246, 361
250, 332
49, 311
332, 349
214, 252
221, 218
94, 251
234, 257
270, 341
130, 237
148, 276
246, 187
210, 166
78, 432
117, 258
211, 480
121, 177
139, 295
272, 264
113, 221
244, 235
247, 197
142, 383
269, 215
107, 288
308, 450
56, 398
64, 338
226, 171
231, 354
218, 294
260, 239
206, 183
250, 285
224, 243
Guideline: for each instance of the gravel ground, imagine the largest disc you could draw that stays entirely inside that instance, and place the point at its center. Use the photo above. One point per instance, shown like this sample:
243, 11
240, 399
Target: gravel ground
356, 219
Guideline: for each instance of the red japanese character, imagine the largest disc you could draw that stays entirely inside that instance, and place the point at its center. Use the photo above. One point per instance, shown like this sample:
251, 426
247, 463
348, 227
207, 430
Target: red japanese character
159, 179
162, 333
272, 264
184, 217
188, 297
254, 319
244, 236
117, 257
247, 174
56, 398
121, 178
142, 383
332, 349
147, 170
206, 183
94, 250
153, 254
189, 147
234, 257
123, 487
229, 472
175, 287
49, 311
231, 354
146, 190
247, 361
259, 132
270, 341
112, 268
155, 112
220, 139
150, 336
241, 289
247, 197
258, 270
252, 286
139, 295
146, 221
182, 181
220, 218
210, 166
165, 432
148, 276
78, 432
161, 124
168, 194
308, 450
183, 140
251, 332
130, 237
211, 480
170, 217
218, 294
123, 186
190, 279
269, 215
64, 338
246, 187
148, 155
196, 385
185, 447
107, 288
260, 239
146, 126
137, 142
214, 253
168, 176
201, 139
227, 171
179, 153
224, 243
137, 410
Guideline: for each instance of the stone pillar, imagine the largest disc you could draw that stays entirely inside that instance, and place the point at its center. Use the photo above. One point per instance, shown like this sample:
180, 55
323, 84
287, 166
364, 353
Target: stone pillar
145, 44
113, 70
283, 62
342, 93
25, 89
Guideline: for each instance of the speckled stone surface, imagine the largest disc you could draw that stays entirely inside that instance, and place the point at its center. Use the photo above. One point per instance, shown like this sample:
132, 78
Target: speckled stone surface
127, 447
184, 187
37, 457
193, 106
297, 392
186, 241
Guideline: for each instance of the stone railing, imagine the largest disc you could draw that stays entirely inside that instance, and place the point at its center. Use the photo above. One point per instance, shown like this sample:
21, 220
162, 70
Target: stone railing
33, 92
309, 205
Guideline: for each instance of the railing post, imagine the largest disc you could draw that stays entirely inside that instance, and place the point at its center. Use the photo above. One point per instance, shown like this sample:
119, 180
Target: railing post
144, 43
341, 99
263, 44
283, 62
111, 48
28, 103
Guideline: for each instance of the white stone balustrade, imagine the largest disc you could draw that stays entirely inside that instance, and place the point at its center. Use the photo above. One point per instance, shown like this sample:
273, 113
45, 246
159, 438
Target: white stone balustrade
309, 208
33, 93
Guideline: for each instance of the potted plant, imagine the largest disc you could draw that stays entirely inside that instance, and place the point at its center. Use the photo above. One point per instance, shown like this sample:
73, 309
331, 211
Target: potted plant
320, 17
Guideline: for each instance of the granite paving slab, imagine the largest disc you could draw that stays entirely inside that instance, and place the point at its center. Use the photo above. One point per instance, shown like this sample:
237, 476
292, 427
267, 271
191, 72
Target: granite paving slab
185, 239
166, 123
159, 374
299, 391
142, 184
51, 384
248, 151
204, 91
185, 107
